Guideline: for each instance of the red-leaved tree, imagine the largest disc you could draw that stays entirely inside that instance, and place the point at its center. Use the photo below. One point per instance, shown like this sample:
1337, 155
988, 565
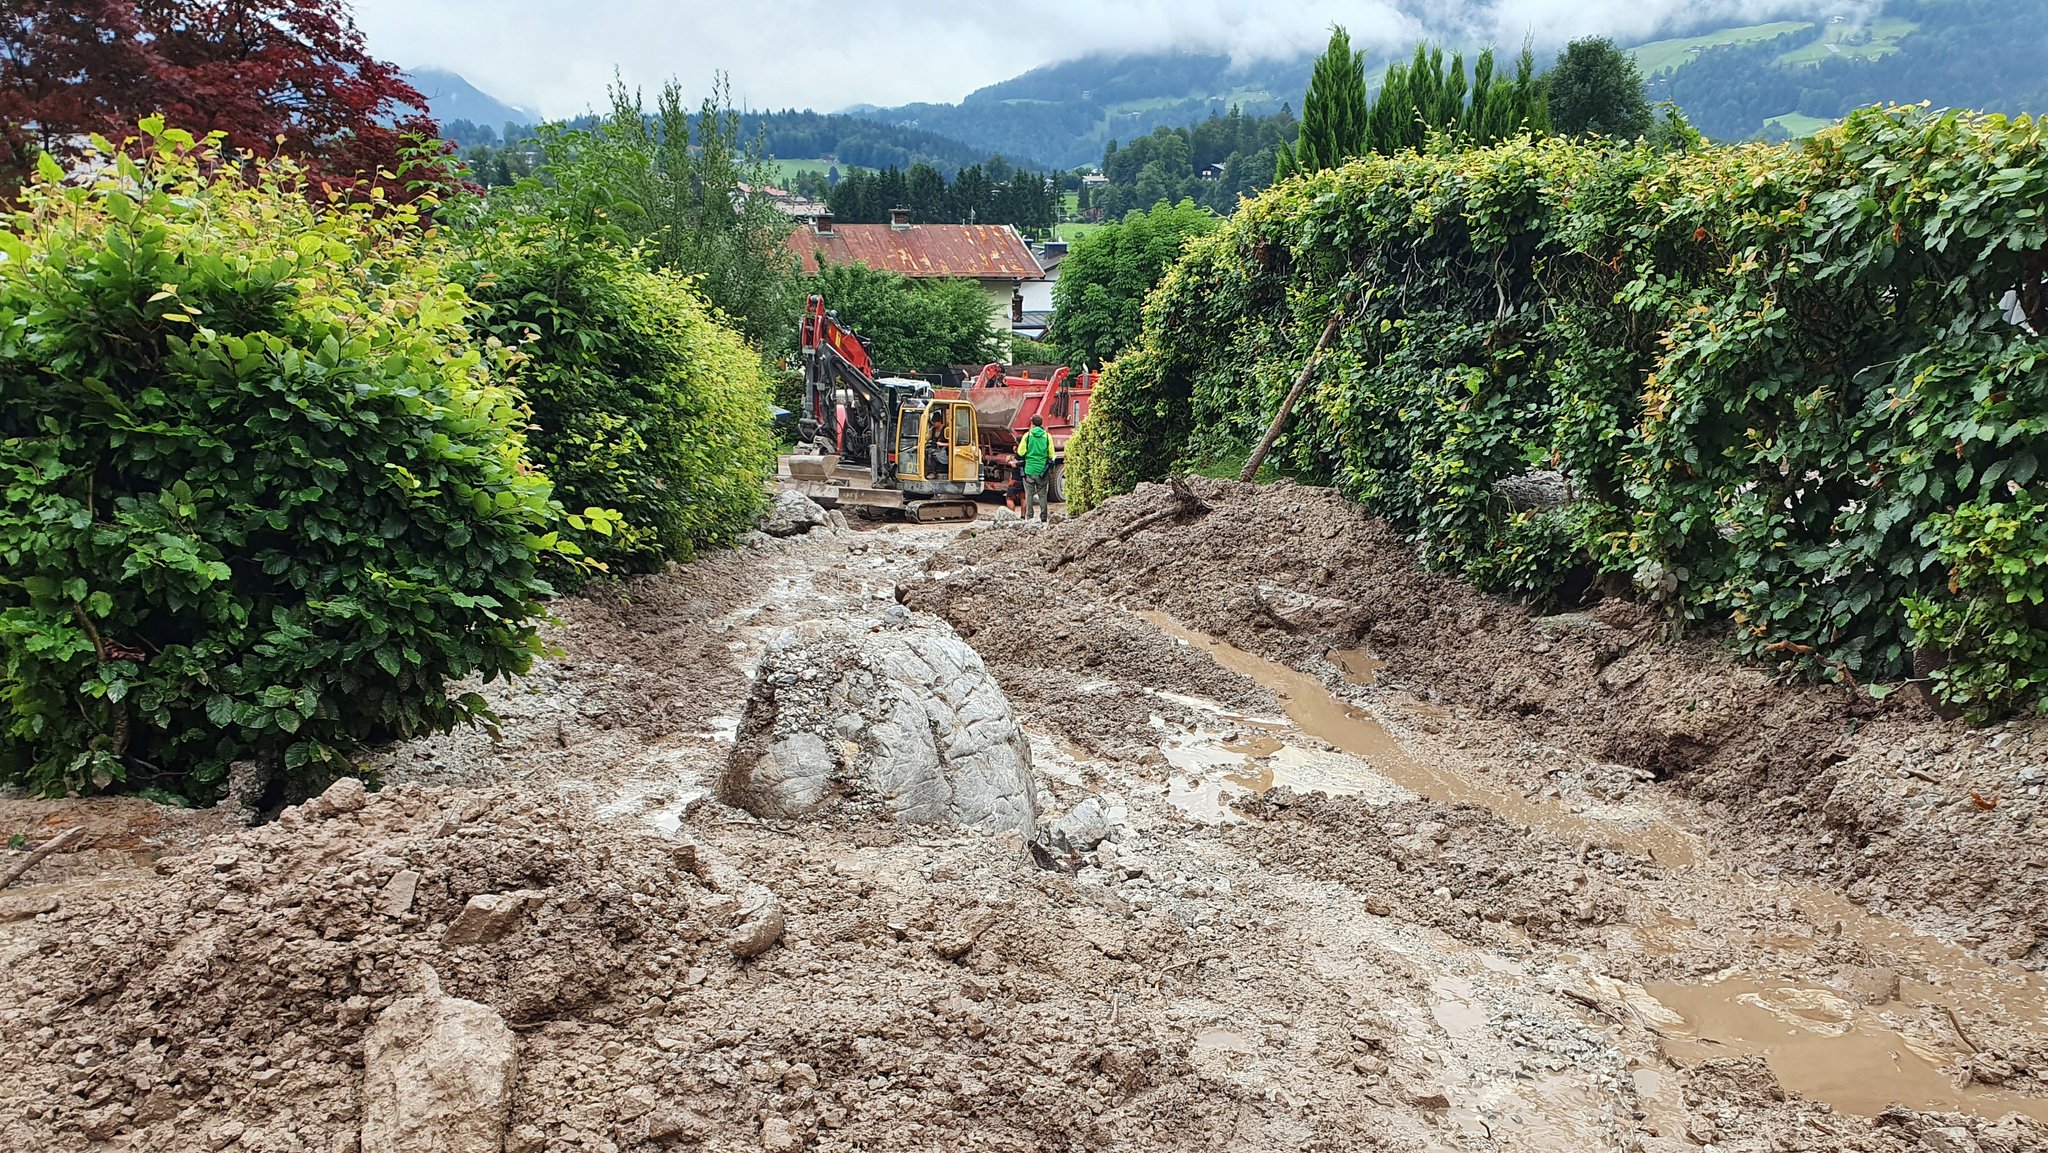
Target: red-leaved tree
256, 70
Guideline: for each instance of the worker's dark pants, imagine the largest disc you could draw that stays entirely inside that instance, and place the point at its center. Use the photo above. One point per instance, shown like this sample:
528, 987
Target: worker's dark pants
1035, 496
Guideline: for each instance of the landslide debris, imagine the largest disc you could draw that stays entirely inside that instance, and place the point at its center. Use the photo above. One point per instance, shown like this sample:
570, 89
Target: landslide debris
1873, 798
900, 718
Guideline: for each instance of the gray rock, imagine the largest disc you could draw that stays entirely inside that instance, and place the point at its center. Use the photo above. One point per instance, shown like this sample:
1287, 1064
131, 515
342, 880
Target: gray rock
1300, 610
1084, 827
346, 795
760, 925
437, 1077
1538, 489
793, 514
905, 720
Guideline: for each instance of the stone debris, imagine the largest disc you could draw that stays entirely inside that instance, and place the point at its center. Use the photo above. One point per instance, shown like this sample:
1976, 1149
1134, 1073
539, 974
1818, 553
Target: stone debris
395, 898
793, 514
490, 917
760, 925
904, 720
956, 942
438, 1075
1084, 826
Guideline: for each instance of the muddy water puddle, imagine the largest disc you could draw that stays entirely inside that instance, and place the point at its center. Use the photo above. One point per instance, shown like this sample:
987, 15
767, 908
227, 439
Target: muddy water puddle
1314, 711
1821, 1042
1822, 1045
1358, 666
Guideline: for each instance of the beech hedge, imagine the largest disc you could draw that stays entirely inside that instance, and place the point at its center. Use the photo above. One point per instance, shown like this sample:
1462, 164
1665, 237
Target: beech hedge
264, 501
1800, 390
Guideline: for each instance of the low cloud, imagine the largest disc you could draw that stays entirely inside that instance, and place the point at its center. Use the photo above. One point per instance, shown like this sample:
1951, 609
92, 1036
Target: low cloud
558, 55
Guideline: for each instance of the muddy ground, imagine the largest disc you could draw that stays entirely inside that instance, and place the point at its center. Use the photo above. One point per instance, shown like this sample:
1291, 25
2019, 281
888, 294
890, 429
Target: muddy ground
1390, 865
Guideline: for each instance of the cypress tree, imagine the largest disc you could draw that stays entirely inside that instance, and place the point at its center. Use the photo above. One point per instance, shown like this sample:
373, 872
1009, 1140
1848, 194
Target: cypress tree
1478, 126
1333, 114
1450, 104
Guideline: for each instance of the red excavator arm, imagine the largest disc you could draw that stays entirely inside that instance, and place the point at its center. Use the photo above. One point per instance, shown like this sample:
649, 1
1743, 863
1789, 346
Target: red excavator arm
822, 329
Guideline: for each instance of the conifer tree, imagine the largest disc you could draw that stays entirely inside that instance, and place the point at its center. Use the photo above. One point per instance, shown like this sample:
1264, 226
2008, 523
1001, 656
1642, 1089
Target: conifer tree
1333, 115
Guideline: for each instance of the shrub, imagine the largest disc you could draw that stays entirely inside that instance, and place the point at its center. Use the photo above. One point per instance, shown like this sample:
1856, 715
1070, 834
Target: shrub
915, 325
1794, 385
644, 401
263, 501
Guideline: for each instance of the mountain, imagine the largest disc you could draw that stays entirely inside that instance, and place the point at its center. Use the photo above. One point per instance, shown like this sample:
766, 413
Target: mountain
1735, 81
451, 98
1792, 77
1063, 114
859, 142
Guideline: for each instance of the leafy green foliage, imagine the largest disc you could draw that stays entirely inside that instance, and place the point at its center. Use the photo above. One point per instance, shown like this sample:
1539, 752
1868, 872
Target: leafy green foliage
1214, 163
1596, 89
263, 500
1793, 386
1103, 281
915, 325
1993, 629
672, 185
643, 401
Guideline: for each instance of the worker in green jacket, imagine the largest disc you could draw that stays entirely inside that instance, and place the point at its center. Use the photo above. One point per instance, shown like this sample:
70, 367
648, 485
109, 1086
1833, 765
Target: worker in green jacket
1036, 450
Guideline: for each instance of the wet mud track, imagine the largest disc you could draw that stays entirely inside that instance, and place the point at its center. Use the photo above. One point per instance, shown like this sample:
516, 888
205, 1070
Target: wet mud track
1388, 866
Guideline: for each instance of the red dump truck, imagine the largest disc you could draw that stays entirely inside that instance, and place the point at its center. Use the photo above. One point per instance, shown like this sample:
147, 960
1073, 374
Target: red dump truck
1004, 406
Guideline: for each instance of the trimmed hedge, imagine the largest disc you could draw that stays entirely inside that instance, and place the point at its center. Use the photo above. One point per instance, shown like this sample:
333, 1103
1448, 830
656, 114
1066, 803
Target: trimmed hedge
1800, 390
644, 401
263, 500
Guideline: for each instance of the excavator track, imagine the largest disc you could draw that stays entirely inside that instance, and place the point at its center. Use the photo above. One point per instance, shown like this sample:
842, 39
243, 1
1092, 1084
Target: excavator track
942, 510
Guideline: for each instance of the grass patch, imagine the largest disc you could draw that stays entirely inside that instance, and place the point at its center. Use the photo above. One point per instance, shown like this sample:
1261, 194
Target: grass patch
1665, 55
1855, 41
1799, 125
786, 170
1072, 232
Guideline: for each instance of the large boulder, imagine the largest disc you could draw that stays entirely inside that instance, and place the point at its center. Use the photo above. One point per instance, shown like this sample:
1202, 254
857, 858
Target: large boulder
793, 514
901, 717
438, 1073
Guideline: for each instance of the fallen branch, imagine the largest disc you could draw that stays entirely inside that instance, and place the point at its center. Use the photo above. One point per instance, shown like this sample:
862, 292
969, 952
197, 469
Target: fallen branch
60, 841
1185, 503
1308, 368
1957, 1023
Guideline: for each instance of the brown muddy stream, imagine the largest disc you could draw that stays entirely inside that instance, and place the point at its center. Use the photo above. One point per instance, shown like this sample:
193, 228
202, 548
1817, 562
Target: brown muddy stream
1821, 1043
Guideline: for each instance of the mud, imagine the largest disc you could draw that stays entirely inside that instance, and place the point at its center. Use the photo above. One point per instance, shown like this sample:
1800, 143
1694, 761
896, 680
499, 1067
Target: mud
1382, 864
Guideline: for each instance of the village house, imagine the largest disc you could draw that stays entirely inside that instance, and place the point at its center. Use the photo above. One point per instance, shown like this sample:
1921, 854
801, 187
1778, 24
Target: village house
1037, 314
992, 255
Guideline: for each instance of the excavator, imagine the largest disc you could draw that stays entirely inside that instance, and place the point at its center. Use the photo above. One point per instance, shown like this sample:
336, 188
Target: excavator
880, 445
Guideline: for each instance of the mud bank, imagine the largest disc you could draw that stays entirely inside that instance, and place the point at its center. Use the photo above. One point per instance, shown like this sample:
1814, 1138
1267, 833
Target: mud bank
1296, 900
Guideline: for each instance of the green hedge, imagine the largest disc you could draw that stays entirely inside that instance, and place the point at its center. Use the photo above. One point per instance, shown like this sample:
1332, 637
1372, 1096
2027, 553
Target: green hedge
644, 400
1784, 380
263, 500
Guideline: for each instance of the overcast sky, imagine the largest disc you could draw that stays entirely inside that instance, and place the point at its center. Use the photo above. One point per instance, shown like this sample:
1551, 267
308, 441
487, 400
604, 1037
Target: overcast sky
557, 55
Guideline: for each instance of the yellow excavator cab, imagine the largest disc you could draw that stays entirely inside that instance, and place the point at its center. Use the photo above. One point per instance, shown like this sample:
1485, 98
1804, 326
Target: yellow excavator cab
937, 442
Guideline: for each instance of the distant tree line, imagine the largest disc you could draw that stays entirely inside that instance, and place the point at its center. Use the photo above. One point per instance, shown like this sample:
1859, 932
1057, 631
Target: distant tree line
977, 194
854, 142
1212, 164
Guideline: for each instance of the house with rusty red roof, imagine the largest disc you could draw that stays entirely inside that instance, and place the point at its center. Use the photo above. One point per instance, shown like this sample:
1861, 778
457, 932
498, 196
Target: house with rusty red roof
993, 255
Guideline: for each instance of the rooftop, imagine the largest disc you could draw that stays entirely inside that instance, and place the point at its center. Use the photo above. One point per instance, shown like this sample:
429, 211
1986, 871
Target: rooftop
973, 251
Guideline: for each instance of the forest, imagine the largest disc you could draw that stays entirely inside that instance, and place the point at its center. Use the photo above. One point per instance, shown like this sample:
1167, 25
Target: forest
978, 194
1961, 54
